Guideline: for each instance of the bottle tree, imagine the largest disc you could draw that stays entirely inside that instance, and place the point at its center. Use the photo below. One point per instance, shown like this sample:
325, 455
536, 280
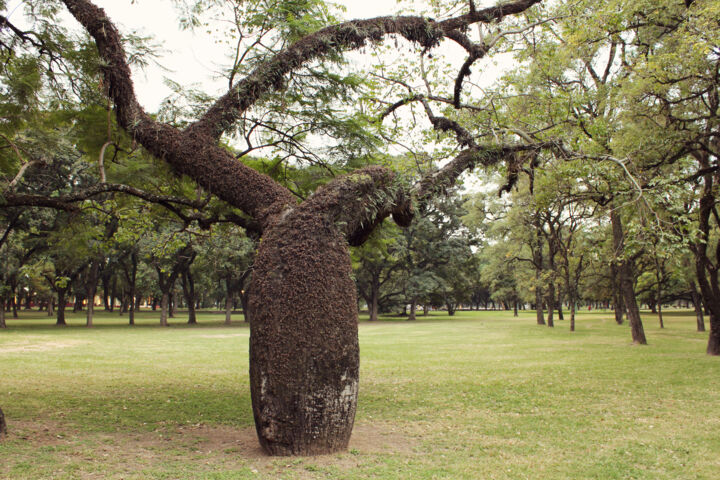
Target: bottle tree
304, 347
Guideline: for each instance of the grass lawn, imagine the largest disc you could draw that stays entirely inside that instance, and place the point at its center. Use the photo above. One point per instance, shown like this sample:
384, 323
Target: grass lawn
476, 396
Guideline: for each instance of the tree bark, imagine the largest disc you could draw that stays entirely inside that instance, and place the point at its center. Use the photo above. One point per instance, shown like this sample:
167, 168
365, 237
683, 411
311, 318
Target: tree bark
304, 355
91, 287
188, 285
164, 306
550, 308
2, 312
697, 304
373, 304
451, 307
228, 299
60, 316
626, 282
413, 309
618, 305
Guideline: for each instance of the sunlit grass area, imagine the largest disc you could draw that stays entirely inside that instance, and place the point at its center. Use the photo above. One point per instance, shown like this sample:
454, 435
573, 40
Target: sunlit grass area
479, 395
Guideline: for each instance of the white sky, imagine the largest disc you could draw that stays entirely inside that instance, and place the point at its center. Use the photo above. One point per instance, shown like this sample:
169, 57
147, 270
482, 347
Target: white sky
192, 57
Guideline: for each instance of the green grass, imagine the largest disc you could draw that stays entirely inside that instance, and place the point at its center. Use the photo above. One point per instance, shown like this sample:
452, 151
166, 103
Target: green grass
478, 396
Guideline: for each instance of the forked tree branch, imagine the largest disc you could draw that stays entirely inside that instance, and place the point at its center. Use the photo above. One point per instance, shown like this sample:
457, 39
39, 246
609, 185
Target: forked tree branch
195, 152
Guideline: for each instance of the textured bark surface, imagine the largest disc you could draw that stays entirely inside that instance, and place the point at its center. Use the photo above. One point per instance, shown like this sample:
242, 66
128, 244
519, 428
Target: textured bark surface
304, 355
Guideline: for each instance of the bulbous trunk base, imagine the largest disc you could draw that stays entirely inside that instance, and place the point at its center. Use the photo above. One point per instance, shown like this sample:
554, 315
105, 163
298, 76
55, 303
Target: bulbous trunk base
304, 355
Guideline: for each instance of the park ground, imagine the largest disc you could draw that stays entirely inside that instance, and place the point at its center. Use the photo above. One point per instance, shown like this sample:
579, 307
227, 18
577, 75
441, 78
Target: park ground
481, 395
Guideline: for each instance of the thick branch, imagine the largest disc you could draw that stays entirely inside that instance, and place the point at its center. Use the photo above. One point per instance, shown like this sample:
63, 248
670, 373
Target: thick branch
192, 154
345, 36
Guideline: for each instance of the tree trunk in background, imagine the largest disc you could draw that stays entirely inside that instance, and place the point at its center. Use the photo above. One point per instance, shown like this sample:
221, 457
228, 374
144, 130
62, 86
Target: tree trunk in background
304, 355
228, 300
51, 307
171, 304
697, 304
451, 308
188, 286
373, 304
559, 306
113, 293
550, 308
618, 305
91, 288
539, 315
572, 312
2, 312
61, 292
164, 305
245, 303
705, 271
14, 304
626, 281
413, 307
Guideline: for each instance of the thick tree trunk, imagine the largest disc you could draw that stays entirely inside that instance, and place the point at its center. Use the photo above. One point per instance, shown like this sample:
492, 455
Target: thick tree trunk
304, 356
451, 308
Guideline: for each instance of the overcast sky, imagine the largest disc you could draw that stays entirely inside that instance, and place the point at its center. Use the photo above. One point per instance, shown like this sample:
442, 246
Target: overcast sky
192, 57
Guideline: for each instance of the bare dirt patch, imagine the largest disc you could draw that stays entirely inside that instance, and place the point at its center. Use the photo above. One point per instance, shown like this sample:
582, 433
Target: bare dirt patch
39, 347
206, 448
